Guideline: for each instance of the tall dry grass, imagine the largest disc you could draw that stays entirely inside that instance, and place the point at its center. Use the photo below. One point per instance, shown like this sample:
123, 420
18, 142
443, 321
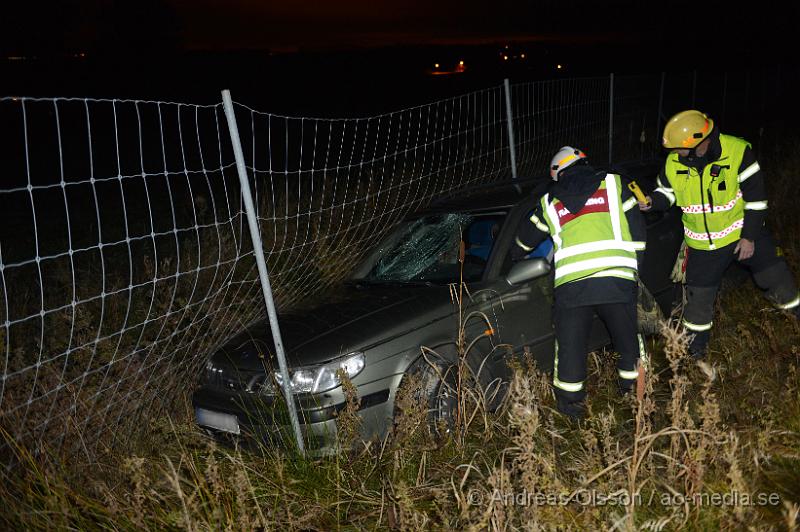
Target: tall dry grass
729, 426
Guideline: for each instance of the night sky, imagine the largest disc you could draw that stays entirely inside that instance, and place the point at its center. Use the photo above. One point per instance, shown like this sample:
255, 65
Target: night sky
174, 48
73, 25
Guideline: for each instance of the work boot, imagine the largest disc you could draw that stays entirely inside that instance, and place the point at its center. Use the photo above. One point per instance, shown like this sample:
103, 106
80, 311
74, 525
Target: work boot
576, 411
699, 345
697, 354
625, 386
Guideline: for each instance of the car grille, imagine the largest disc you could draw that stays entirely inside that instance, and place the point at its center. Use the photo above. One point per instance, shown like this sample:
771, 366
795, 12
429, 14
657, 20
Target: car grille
235, 380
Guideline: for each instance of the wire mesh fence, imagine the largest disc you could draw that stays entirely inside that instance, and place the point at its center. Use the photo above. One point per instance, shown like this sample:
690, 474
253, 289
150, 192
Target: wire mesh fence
125, 258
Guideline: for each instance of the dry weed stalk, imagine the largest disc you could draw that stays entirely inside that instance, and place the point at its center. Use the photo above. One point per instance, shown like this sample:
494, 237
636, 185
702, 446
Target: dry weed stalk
410, 413
348, 422
137, 497
737, 481
700, 455
533, 461
644, 406
676, 346
791, 515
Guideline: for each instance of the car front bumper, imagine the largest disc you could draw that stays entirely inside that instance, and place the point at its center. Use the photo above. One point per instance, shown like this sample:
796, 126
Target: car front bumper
252, 419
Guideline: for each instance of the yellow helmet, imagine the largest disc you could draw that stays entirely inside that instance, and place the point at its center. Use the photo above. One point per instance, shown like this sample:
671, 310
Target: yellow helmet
686, 130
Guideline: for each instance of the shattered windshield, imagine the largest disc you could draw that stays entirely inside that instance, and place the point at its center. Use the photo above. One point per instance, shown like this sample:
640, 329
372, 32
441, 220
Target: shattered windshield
427, 249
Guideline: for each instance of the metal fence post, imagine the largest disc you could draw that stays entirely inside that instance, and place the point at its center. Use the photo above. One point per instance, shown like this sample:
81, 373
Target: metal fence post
258, 251
610, 117
509, 121
660, 105
724, 98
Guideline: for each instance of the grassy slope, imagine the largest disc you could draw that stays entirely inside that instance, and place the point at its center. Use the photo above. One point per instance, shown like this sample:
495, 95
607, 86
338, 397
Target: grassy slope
732, 426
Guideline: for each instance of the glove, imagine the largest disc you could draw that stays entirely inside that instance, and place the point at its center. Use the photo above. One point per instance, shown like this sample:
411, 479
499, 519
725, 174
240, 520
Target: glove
678, 274
517, 253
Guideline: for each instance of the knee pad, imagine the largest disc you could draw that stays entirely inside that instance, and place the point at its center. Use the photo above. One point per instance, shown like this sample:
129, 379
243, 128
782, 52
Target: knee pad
778, 282
700, 306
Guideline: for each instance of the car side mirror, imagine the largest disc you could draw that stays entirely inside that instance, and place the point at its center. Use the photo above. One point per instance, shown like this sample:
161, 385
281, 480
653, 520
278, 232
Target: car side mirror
528, 270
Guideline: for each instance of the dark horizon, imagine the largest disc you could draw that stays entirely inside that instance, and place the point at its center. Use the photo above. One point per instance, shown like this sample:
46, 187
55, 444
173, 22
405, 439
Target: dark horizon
355, 82
358, 58
158, 26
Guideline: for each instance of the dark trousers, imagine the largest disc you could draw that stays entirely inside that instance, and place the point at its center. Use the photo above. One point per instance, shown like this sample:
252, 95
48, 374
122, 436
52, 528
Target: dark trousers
704, 272
573, 326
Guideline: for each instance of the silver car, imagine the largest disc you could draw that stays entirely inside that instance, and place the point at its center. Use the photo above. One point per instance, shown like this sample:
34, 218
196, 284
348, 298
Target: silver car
398, 300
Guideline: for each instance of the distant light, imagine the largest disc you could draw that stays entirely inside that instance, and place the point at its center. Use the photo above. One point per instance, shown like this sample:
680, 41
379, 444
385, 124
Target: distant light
505, 58
558, 67
461, 63
436, 65
506, 47
522, 56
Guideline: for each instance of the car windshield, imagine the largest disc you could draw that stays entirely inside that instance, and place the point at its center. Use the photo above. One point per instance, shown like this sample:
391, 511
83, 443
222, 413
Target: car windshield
426, 250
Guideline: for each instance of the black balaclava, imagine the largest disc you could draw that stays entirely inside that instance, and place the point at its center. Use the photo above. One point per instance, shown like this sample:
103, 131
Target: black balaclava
576, 184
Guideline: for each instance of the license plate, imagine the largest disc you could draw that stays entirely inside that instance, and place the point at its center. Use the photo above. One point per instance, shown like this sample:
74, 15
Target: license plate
217, 420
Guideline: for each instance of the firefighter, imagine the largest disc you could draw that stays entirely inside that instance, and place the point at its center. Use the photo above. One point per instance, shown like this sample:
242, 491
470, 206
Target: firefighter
597, 231
716, 181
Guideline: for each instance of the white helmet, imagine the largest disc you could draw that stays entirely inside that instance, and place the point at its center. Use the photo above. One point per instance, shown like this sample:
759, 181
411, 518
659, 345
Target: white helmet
565, 157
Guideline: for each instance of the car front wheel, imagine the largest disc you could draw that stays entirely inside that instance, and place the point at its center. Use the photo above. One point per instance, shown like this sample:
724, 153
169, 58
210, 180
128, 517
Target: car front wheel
434, 385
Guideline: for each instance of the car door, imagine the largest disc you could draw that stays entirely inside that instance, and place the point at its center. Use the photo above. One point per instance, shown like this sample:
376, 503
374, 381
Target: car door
664, 237
521, 314
524, 311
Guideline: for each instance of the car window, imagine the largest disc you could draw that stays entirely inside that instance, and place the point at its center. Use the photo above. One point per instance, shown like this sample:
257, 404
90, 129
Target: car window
427, 249
545, 249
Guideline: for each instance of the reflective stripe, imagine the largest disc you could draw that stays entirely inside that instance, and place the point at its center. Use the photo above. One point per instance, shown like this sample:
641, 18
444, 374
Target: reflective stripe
698, 209
791, 304
538, 223
589, 264
667, 193
750, 170
568, 386
715, 235
755, 205
566, 159
613, 206
553, 216
599, 245
629, 204
627, 274
697, 327
630, 375
523, 246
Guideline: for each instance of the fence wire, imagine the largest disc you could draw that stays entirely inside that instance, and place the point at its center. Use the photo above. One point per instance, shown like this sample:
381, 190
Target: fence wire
125, 258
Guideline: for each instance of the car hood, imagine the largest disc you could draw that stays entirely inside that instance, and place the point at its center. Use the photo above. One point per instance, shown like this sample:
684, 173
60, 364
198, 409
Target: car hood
352, 319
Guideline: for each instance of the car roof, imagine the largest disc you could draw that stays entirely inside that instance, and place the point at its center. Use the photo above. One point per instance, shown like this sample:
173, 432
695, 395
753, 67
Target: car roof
483, 197
505, 194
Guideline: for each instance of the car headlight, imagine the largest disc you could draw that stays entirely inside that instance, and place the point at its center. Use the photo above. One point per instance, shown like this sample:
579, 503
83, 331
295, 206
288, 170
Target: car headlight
213, 373
320, 378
